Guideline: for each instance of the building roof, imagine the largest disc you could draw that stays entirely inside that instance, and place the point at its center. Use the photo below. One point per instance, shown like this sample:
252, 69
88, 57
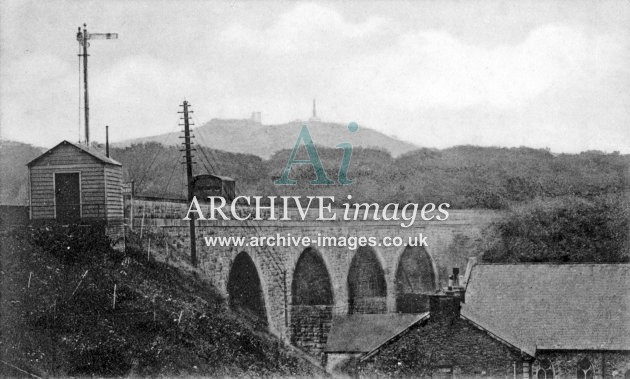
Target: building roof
93, 152
364, 333
552, 306
223, 178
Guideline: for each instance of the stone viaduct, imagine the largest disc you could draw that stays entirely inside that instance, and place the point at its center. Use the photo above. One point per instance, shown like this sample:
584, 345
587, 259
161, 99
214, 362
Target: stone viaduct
295, 291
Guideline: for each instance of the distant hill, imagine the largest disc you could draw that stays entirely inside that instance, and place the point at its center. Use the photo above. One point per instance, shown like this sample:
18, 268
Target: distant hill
13, 171
248, 137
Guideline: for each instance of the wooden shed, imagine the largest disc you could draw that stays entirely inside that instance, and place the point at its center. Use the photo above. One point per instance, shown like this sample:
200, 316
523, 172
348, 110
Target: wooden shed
72, 183
214, 185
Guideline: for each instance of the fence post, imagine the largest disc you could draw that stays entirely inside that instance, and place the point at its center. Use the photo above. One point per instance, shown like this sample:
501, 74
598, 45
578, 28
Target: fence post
114, 303
154, 308
142, 223
80, 281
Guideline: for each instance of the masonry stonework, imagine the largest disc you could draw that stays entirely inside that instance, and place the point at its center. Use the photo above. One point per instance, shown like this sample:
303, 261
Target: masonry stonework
447, 347
448, 243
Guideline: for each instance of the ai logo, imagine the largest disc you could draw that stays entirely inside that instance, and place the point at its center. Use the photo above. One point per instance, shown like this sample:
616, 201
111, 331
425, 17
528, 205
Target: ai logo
313, 160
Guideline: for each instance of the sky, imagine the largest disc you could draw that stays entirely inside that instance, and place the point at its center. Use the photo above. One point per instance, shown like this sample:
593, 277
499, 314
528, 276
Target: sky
543, 74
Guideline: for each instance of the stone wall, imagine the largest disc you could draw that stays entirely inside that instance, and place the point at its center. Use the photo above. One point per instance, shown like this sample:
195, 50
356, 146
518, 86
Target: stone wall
447, 346
310, 325
448, 242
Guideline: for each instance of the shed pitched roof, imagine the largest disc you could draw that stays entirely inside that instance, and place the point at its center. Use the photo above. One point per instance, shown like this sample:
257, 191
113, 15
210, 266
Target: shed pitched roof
363, 333
95, 153
552, 307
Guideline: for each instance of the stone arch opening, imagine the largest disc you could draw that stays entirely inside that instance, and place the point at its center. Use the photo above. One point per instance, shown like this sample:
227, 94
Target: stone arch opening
367, 289
415, 280
245, 290
311, 303
311, 282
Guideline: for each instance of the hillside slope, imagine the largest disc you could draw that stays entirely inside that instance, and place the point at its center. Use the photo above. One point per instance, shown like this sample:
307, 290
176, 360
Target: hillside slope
58, 316
13, 171
247, 137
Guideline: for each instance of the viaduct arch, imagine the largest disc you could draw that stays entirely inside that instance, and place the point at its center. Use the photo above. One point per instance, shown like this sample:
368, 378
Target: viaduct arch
312, 302
271, 283
367, 288
244, 288
415, 279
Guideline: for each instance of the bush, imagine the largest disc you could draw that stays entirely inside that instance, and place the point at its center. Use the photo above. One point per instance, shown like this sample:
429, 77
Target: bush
74, 244
566, 229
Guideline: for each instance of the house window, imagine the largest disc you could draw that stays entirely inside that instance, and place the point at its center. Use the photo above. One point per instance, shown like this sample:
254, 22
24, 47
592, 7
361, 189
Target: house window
526, 370
545, 369
584, 369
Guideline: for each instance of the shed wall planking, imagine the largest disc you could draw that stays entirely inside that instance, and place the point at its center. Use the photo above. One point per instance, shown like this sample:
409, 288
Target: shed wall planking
100, 183
113, 191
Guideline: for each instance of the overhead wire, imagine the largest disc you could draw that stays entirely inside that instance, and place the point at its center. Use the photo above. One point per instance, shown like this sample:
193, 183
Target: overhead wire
157, 152
203, 152
168, 183
249, 224
152, 161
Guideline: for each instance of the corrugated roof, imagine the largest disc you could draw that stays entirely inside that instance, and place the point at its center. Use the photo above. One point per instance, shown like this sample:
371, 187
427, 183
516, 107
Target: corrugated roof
95, 153
550, 306
363, 333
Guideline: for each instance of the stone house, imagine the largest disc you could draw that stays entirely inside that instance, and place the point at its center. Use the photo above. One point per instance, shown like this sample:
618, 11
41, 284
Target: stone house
519, 321
574, 319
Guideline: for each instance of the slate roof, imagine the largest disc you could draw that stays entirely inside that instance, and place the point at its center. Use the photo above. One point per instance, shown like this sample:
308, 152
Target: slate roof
95, 153
552, 306
364, 333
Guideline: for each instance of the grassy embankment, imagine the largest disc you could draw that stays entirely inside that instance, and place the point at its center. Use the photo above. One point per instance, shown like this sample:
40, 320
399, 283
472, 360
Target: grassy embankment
59, 319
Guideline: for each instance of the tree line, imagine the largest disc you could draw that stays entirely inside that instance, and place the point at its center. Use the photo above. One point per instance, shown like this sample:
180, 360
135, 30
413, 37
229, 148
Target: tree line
559, 207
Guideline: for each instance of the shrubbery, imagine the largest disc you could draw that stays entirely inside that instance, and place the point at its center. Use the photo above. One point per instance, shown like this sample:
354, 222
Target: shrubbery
59, 319
74, 243
463, 176
564, 229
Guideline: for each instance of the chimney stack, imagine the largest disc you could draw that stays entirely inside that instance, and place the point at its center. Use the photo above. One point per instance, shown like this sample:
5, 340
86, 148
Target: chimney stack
446, 304
453, 280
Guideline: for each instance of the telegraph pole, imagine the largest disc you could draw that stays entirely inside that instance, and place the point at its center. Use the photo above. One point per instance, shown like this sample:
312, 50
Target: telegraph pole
83, 37
189, 175
86, 99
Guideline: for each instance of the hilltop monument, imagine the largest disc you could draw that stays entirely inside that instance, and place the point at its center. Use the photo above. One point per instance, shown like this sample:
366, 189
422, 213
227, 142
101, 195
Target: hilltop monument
314, 117
256, 117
